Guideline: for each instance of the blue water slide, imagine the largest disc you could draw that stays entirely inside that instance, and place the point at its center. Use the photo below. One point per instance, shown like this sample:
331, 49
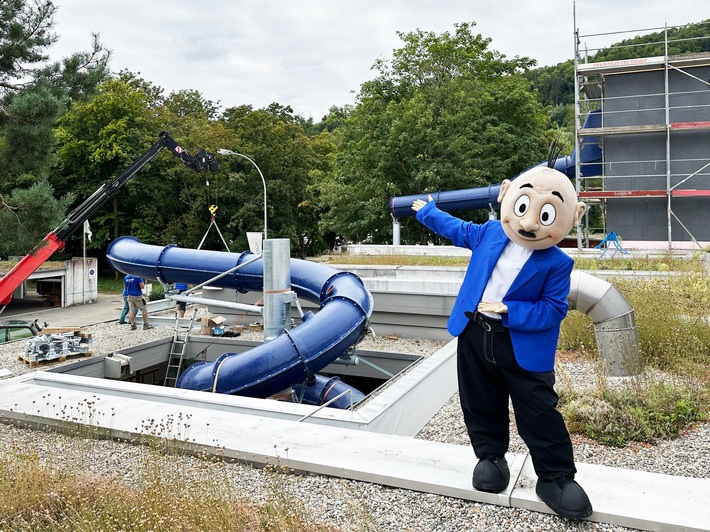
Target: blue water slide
487, 197
293, 357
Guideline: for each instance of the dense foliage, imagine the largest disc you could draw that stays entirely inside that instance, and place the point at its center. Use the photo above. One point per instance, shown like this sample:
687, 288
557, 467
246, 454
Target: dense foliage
445, 112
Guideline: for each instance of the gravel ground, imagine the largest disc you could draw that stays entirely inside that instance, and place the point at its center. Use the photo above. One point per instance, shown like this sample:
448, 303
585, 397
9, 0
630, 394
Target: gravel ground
346, 504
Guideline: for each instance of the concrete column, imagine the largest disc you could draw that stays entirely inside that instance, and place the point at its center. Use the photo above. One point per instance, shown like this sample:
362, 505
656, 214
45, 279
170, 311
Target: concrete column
277, 286
395, 232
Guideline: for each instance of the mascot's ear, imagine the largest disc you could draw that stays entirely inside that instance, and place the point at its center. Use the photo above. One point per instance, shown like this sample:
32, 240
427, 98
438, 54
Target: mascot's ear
579, 211
504, 186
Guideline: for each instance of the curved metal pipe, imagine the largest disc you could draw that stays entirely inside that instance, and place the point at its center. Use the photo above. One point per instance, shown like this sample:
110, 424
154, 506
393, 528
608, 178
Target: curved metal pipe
614, 322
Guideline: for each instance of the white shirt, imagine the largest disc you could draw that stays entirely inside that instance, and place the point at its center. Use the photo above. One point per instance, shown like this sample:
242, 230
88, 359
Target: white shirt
504, 273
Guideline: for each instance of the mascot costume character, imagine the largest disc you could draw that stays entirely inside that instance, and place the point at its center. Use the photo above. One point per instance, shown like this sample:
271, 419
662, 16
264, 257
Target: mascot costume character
507, 319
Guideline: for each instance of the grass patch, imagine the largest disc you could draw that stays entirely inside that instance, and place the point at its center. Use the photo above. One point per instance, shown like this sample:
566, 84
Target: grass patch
7, 265
674, 338
40, 498
635, 413
110, 285
672, 321
624, 263
620, 263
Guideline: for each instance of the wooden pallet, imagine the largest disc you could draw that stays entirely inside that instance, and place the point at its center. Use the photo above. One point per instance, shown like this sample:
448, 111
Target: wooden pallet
76, 331
45, 361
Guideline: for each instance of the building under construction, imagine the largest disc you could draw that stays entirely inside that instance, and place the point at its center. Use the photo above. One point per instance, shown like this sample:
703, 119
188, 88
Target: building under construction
650, 117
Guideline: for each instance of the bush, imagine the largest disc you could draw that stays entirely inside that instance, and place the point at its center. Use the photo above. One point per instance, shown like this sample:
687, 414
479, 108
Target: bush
157, 292
635, 413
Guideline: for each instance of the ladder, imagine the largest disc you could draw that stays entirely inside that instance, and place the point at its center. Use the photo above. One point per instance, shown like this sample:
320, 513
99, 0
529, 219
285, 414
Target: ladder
176, 355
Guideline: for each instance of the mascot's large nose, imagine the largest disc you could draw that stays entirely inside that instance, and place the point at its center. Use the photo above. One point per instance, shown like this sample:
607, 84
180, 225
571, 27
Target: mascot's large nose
528, 224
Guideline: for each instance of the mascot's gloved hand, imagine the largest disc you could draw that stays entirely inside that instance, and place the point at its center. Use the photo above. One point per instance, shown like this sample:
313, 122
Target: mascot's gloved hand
419, 203
490, 306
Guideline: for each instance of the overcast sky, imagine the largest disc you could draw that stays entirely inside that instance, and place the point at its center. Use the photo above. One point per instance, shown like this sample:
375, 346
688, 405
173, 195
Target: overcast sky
313, 54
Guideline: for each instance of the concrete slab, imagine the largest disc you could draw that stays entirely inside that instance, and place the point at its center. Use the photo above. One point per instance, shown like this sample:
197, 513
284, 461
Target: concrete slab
629, 498
634, 499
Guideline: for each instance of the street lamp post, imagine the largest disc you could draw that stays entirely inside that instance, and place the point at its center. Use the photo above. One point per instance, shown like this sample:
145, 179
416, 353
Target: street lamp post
224, 151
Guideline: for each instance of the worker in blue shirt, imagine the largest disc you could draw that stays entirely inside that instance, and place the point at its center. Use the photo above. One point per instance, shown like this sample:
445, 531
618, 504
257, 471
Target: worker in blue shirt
180, 306
133, 288
125, 309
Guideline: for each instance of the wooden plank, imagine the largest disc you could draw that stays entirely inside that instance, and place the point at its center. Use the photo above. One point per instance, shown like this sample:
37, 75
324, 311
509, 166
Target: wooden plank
621, 130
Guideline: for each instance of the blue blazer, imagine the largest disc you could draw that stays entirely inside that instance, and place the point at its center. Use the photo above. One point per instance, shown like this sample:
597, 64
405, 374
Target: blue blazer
536, 301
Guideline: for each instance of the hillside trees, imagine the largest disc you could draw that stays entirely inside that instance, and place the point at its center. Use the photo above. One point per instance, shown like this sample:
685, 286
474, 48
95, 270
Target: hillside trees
445, 113
555, 84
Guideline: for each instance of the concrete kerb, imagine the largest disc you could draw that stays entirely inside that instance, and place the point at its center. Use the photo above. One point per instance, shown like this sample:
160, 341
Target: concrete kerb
622, 497
627, 498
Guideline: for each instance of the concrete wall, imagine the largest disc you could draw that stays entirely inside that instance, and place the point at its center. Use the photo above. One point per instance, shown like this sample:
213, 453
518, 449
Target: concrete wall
81, 284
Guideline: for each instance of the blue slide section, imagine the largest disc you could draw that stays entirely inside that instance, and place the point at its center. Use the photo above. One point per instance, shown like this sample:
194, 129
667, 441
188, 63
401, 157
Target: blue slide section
292, 358
485, 197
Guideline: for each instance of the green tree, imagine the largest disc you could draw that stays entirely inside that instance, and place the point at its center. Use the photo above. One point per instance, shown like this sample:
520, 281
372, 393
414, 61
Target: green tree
445, 113
186, 195
289, 159
33, 93
101, 137
26, 214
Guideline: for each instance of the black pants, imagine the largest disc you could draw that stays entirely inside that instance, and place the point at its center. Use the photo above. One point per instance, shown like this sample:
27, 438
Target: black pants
488, 374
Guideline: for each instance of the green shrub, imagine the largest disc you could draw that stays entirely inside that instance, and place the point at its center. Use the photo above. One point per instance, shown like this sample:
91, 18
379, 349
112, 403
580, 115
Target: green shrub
635, 413
577, 334
157, 292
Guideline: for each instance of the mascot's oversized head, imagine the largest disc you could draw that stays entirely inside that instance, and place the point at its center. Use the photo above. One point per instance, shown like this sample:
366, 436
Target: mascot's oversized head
539, 208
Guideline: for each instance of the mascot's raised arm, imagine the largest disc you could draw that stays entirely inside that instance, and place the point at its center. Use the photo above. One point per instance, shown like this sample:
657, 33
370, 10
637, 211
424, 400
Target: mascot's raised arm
507, 319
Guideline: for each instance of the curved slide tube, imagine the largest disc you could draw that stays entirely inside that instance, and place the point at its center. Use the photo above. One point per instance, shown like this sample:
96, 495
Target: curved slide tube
487, 197
330, 390
295, 356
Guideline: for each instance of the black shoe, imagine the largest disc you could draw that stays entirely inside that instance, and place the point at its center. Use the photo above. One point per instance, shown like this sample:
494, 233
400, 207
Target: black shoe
491, 474
565, 497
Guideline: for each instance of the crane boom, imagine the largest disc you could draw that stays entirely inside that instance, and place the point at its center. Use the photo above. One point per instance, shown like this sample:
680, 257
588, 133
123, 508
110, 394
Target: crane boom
56, 239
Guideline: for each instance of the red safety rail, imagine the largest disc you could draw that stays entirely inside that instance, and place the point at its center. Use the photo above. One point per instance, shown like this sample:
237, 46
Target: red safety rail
690, 125
686, 193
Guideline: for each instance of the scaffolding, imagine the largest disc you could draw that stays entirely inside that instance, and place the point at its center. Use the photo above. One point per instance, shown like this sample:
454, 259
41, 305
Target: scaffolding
652, 127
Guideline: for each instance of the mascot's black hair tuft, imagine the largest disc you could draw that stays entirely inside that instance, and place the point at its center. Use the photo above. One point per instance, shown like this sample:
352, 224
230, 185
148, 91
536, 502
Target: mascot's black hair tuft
553, 153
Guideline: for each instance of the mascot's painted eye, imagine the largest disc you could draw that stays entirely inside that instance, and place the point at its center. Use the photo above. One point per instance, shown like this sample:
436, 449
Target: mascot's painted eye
548, 213
521, 205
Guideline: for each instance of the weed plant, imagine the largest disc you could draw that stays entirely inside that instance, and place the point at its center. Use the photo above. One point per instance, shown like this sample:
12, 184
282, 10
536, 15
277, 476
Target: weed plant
73, 484
673, 322
641, 412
